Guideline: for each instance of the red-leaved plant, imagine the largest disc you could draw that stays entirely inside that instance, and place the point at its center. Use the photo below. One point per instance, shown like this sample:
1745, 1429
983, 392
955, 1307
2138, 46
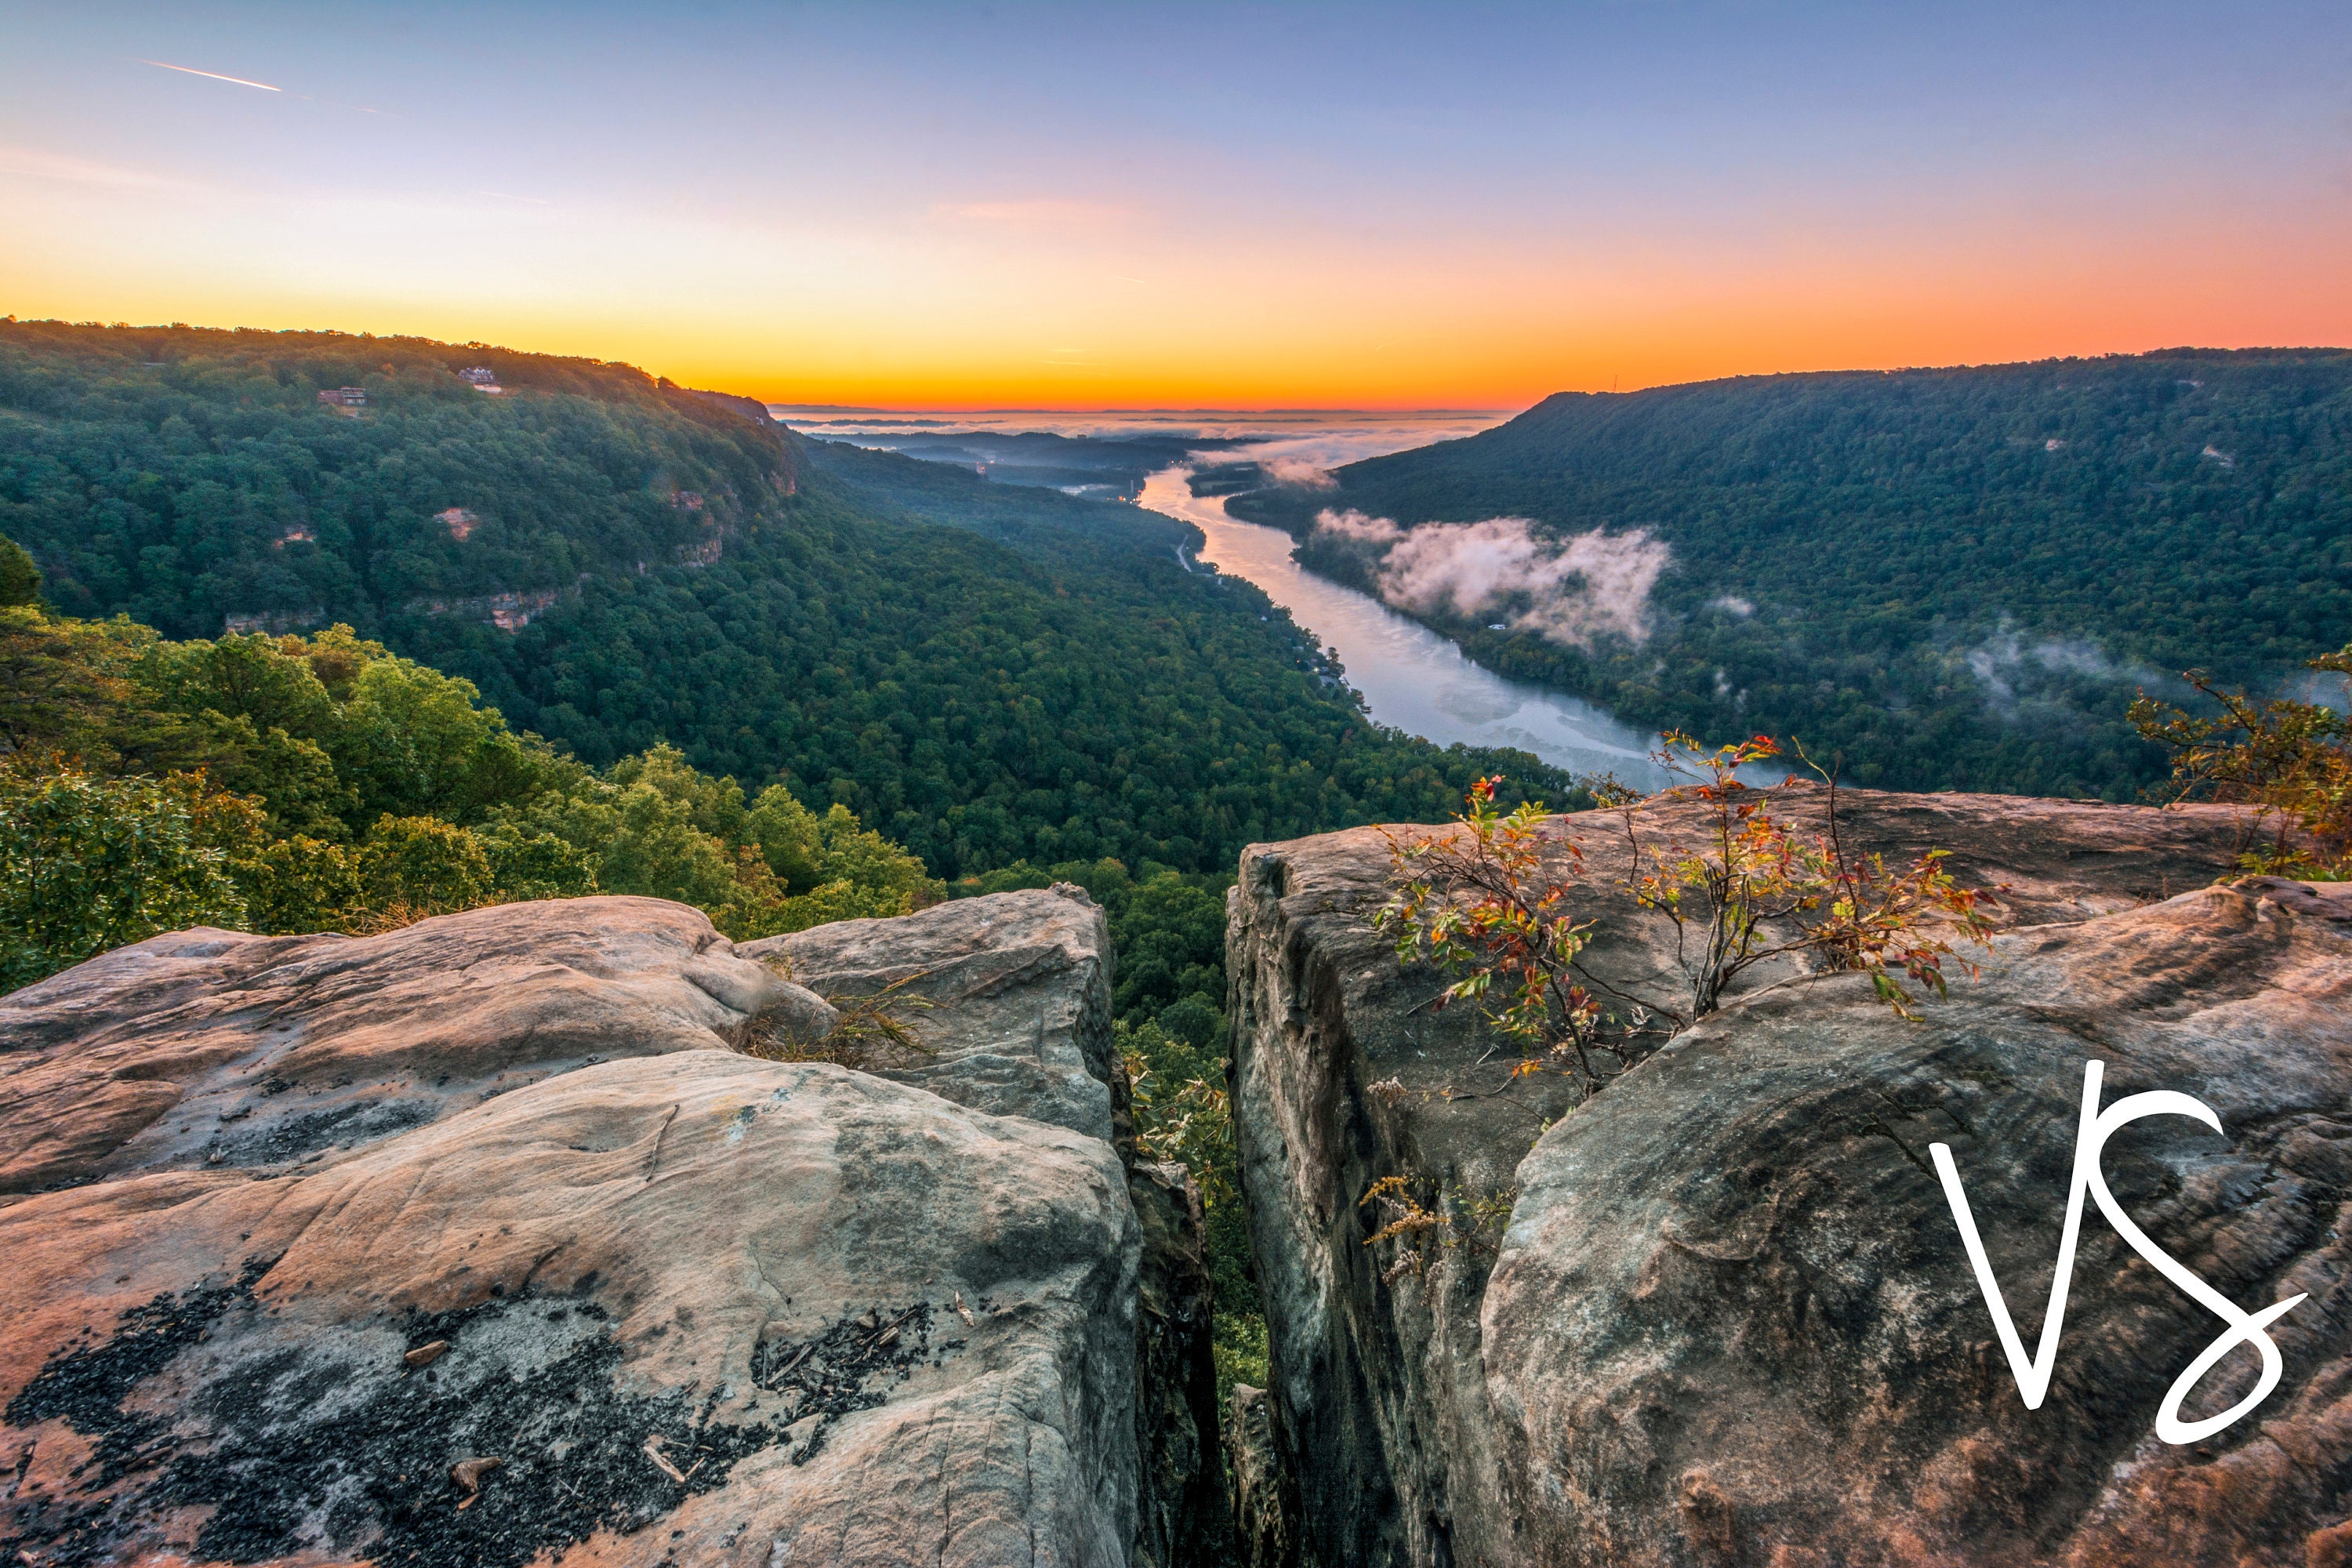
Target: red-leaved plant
1494, 902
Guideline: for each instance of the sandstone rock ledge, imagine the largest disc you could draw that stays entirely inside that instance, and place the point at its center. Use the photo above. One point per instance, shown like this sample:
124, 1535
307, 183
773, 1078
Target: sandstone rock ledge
479, 1243
1016, 988
1729, 1321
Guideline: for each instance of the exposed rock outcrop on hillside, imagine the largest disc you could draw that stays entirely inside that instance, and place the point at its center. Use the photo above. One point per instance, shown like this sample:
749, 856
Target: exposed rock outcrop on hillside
477, 1243
1730, 1321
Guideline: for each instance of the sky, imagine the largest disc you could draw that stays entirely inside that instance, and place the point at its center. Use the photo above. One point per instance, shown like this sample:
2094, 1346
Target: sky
1133, 204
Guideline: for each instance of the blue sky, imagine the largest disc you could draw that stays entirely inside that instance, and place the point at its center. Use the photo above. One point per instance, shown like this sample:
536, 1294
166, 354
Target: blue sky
908, 202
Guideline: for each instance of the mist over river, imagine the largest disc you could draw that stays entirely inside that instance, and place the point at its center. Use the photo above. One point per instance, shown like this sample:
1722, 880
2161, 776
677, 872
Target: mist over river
1412, 678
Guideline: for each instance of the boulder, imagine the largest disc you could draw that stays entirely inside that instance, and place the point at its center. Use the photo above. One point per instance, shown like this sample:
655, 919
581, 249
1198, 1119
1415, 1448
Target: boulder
695, 1307
1009, 995
482, 1242
1345, 1074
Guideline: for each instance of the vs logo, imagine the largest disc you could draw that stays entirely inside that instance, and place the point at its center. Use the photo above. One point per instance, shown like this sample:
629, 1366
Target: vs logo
2034, 1376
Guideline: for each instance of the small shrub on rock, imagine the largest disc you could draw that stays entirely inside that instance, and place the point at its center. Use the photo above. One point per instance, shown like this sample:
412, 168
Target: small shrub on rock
876, 1033
1501, 902
2289, 763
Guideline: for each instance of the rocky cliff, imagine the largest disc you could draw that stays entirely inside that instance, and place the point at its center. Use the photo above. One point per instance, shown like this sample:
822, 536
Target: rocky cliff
482, 1242
486, 1242
1720, 1314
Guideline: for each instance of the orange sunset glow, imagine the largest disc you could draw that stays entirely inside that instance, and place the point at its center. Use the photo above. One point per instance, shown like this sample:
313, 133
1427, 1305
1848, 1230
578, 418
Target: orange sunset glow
944, 235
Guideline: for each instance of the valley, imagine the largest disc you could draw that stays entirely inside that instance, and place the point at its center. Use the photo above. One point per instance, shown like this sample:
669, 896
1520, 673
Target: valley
1953, 578
1176, 786
854, 820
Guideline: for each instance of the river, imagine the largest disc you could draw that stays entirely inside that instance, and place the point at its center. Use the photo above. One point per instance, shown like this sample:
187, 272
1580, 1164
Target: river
1412, 678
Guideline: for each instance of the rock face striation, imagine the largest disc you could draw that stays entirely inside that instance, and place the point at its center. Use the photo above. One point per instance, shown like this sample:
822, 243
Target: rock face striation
1734, 1315
1014, 996
205, 1048
481, 1242
1720, 1314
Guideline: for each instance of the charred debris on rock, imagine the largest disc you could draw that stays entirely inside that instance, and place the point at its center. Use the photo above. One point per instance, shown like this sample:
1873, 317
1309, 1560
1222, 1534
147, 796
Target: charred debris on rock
419, 1459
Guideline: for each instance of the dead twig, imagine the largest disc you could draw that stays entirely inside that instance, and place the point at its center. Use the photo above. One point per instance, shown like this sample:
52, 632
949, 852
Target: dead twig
888, 1332
872, 1033
779, 1374
653, 1451
469, 1474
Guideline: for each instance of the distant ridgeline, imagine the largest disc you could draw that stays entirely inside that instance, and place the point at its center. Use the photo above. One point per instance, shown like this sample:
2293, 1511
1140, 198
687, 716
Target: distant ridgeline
986, 674
1955, 577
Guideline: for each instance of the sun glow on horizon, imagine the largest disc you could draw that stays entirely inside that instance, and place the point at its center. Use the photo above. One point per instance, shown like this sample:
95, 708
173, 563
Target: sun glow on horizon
1408, 219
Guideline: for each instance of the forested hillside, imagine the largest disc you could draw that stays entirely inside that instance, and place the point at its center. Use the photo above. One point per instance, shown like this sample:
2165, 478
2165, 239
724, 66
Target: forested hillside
1100, 466
986, 674
1956, 577
289, 664
193, 479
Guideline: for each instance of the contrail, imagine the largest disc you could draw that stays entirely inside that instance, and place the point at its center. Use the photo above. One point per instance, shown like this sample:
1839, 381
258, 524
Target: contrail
214, 75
